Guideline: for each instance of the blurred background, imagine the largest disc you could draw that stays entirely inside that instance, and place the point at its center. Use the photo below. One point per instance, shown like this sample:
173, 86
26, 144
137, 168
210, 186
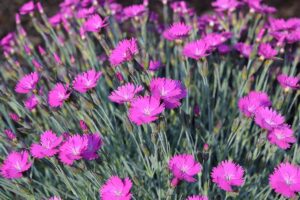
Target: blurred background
8, 8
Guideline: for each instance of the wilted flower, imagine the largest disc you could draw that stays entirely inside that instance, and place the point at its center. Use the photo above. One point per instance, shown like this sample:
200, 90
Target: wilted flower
282, 136
225, 5
196, 49
116, 189
94, 23
285, 180
268, 119
73, 149
184, 167
197, 197
47, 146
15, 164
249, 104
94, 144
9, 134
27, 83
124, 51
144, 110
266, 51
83, 125
58, 95
31, 102
170, 91
27, 8
177, 31
288, 82
86, 81
134, 11
228, 174
243, 49
125, 93
57, 57
14, 116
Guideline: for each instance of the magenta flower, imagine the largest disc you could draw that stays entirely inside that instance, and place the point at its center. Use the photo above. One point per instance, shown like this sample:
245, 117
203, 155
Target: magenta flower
14, 164
282, 136
27, 8
85, 12
228, 174
41, 50
73, 149
178, 30
268, 119
27, 83
134, 11
266, 51
183, 168
55, 19
94, 144
223, 49
9, 134
14, 116
144, 110
7, 39
86, 81
285, 180
196, 49
170, 91
197, 197
116, 189
244, 49
288, 82
83, 125
125, 93
256, 6
225, 5
154, 65
249, 104
47, 146
216, 39
124, 51
31, 102
58, 95
94, 23
55, 198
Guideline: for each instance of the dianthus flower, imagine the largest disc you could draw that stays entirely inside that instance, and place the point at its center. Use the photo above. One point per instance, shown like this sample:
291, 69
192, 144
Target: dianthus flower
47, 146
15, 164
288, 82
94, 144
197, 197
170, 91
244, 49
256, 6
125, 93
266, 51
285, 180
184, 167
58, 95
27, 8
55, 19
73, 149
9, 134
7, 39
27, 83
249, 104
144, 110
228, 174
225, 5
86, 81
116, 189
282, 136
268, 119
154, 65
215, 39
177, 31
14, 116
196, 49
85, 12
94, 23
124, 51
134, 11
31, 102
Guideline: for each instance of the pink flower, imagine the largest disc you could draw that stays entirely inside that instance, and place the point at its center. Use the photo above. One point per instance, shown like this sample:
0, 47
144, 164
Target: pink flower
125, 93
225, 5
282, 136
228, 174
216, 39
256, 6
197, 197
55, 19
86, 81
94, 23
85, 12
57, 57
285, 180
83, 125
31, 102
288, 82
55, 198
14, 164
184, 167
10, 135
177, 31
170, 91
58, 95
73, 149
249, 104
154, 65
266, 51
27, 83
27, 8
41, 50
196, 49
144, 110
116, 189
243, 49
124, 51
94, 144
14, 116
7, 39
47, 146
268, 119
134, 11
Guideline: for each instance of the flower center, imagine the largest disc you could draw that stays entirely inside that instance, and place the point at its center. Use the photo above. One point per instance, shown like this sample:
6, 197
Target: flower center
18, 166
147, 111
